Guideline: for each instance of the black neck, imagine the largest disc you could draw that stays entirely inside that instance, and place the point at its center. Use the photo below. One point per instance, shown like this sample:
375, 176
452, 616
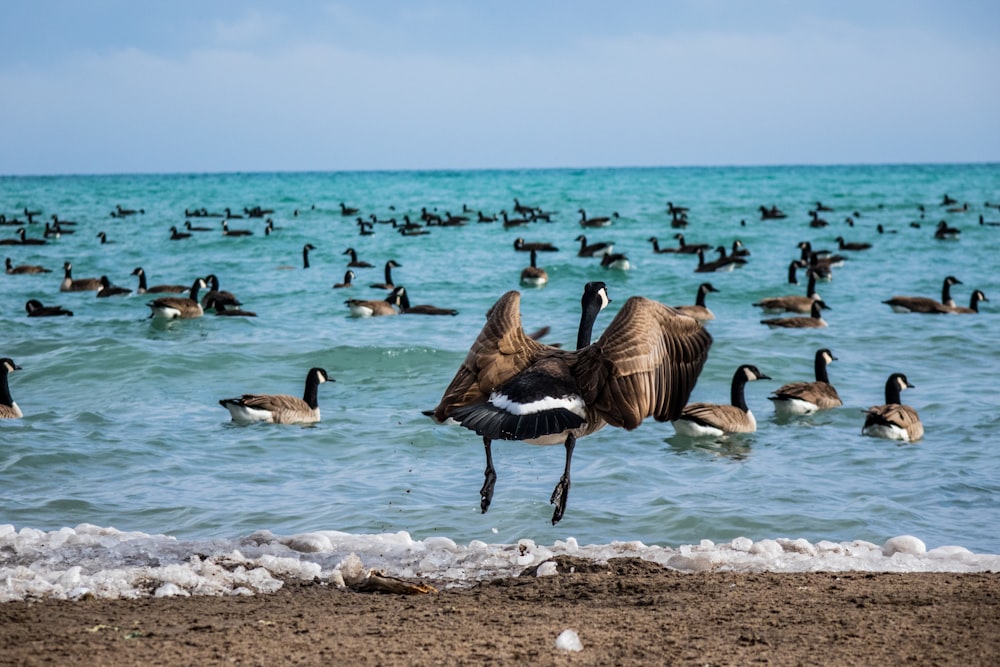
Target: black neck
811, 289
737, 397
5, 397
534, 259
194, 290
820, 368
700, 300
142, 281
305, 258
311, 392
590, 311
892, 390
793, 278
388, 274
946, 292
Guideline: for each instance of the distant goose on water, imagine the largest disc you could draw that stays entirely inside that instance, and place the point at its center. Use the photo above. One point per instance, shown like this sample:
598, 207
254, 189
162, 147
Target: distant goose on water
23, 269
792, 303
699, 311
403, 302
226, 231
68, 284
715, 419
534, 275
373, 307
35, 308
511, 387
814, 321
348, 280
803, 398
176, 307
893, 420
923, 304
155, 289
355, 262
541, 246
388, 284
973, 308
593, 249
107, 289
280, 408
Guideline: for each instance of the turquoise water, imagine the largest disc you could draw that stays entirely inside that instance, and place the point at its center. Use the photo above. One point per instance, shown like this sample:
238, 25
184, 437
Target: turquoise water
123, 428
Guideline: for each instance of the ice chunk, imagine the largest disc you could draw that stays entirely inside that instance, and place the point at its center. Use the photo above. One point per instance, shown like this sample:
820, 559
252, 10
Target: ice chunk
904, 544
568, 640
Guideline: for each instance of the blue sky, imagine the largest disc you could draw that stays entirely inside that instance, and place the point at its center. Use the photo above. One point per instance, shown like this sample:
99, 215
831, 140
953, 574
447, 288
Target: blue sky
114, 86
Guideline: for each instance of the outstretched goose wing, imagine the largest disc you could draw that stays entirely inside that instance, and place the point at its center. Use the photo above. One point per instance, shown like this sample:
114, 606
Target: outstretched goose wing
645, 364
501, 351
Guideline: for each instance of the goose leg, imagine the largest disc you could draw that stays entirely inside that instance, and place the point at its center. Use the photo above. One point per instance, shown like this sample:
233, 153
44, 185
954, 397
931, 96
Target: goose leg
561, 492
486, 493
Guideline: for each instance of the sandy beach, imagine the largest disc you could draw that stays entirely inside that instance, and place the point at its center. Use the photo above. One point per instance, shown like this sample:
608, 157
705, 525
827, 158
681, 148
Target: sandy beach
626, 612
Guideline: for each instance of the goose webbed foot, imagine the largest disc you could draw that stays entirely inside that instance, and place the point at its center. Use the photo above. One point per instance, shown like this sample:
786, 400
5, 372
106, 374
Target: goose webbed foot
486, 493
561, 492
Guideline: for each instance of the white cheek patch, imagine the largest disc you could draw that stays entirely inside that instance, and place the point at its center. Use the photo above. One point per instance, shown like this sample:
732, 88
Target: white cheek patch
574, 404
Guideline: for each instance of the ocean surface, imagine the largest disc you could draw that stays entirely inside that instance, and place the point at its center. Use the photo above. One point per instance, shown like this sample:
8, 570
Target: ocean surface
123, 437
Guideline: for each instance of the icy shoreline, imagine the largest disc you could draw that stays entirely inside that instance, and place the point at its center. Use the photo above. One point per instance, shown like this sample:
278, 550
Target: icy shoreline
103, 562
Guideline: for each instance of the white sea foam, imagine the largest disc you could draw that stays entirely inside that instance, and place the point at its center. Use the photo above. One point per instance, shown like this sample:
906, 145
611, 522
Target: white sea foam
88, 560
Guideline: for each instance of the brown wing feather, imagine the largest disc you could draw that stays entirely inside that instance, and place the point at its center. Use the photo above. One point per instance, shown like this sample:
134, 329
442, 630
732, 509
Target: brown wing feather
501, 351
728, 418
902, 416
275, 402
645, 364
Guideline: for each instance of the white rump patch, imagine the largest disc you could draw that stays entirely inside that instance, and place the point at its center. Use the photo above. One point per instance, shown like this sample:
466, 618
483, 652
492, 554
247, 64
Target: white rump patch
573, 403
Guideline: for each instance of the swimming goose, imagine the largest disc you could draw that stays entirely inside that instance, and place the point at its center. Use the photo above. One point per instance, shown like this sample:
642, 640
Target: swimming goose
923, 304
57, 223
348, 281
689, 248
816, 220
179, 236
773, 213
540, 246
373, 308
821, 207
600, 221
804, 398
522, 209
230, 215
699, 311
594, 249
123, 212
51, 232
481, 217
715, 419
534, 275
346, 210
676, 210
814, 321
107, 289
222, 297
973, 308
68, 284
402, 301
178, 307
155, 289
513, 222
35, 308
945, 233
280, 408
219, 308
195, 228
24, 240
365, 228
512, 387
739, 250
305, 254
388, 284
893, 420
226, 231
657, 250
792, 303
984, 222
724, 263
22, 269
355, 263
616, 260
8, 408
854, 246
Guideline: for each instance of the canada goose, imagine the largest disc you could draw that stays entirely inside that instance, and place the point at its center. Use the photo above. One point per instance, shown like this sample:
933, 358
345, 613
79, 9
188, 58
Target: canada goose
945, 233
699, 311
481, 217
958, 209
816, 220
700, 419
804, 398
724, 263
676, 210
454, 220
346, 210
144, 288
68, 284
226, 231
222, 297
792, 303
882, 230
230, 215
739, 250
984, 222
388, 284
402, 301
511, 387
56, 222
854, 246
179, 236
51, 232
601, 221
540, 246
305, 254
279, 408
365, 228
178, 307
373, 308
35, 308
948, 201
616, 260
594, 248
814, 321
107, 289
689, 248
973, 308
22, 269
923, 304
821, 207
348, 280
513, 222
123, 212
22, 234
773, 213
522, 209
893, 420
219, 308
657, 250
195, 228
354, 260
57, 229
8, 408
534, 276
